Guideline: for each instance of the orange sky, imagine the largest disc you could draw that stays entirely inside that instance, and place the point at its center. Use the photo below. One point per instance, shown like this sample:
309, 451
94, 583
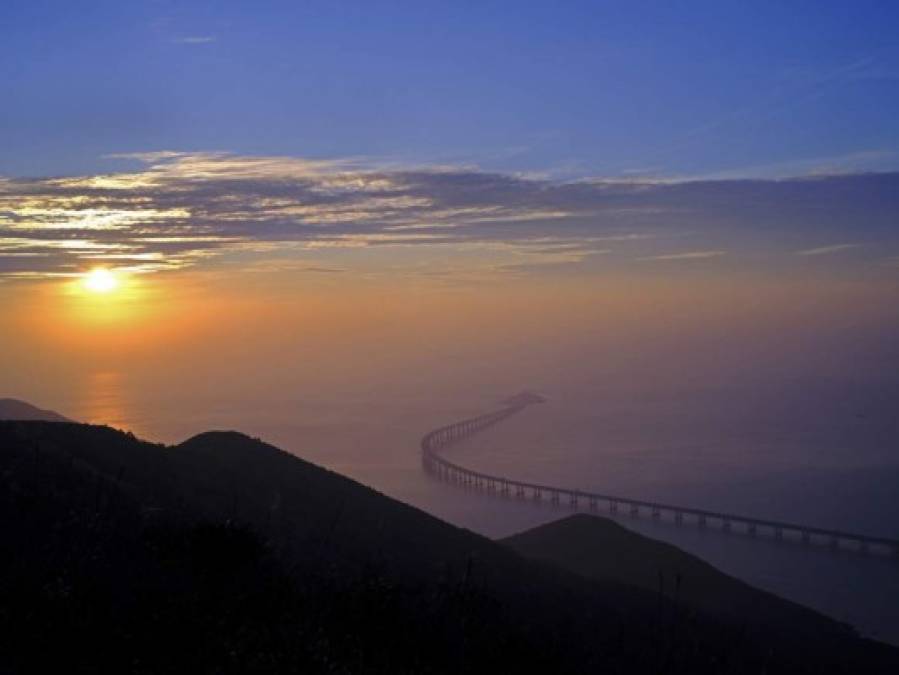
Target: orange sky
199, 331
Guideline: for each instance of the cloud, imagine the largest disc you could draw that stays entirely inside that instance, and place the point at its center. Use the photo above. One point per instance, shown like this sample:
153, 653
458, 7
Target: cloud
180, 209
688, 255
826, 250
194, 40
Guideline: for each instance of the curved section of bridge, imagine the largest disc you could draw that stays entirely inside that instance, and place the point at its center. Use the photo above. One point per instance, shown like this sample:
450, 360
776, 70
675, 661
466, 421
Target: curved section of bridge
438, 466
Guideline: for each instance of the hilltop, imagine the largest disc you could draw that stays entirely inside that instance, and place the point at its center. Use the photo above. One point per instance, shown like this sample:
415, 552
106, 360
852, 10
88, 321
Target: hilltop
601, 549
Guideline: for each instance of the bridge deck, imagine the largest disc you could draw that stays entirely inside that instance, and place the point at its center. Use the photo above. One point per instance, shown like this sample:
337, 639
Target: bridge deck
440, 438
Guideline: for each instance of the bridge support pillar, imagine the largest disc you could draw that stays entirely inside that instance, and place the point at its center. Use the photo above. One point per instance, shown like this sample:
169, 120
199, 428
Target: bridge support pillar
725, 525
678, 517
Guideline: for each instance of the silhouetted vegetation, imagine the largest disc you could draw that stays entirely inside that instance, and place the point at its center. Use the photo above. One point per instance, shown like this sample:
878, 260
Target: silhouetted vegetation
601, 549
225, 555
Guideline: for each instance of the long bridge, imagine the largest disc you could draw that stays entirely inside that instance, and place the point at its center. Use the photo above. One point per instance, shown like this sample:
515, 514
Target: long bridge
434, 463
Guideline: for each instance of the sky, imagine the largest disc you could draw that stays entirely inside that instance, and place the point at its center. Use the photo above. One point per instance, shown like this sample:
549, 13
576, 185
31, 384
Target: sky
571, 89
154, 136
377, 184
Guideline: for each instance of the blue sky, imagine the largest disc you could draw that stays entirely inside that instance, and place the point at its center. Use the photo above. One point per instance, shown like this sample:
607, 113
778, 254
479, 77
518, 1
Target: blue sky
553, 137
561, 90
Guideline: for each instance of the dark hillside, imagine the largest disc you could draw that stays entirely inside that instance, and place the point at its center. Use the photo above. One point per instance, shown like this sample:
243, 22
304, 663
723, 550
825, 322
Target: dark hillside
225, 554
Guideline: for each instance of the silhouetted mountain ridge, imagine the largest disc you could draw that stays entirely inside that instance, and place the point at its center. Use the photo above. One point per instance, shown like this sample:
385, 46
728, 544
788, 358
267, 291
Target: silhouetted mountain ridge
226, 554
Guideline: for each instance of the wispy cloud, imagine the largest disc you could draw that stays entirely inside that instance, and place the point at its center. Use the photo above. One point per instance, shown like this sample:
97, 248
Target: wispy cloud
194, 40
181, 209
794, 89
859, 161
826, 250
687, 255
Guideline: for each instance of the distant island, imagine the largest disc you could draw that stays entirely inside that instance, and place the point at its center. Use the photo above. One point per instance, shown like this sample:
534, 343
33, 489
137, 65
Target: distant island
523, 399
14, 409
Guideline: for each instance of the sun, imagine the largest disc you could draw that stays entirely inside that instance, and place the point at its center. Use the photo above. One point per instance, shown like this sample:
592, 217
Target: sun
100, 280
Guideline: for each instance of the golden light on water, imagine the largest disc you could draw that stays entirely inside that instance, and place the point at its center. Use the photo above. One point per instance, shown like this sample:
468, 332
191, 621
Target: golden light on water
100, 280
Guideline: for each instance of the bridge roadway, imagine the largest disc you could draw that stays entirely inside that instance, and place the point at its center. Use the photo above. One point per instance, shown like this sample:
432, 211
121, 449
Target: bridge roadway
435, 464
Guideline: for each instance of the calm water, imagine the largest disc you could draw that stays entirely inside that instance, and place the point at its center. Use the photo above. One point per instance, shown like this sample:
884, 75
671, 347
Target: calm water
793, 452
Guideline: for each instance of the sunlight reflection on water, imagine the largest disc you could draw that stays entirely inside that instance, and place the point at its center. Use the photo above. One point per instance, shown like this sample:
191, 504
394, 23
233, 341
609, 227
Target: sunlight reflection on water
105, 401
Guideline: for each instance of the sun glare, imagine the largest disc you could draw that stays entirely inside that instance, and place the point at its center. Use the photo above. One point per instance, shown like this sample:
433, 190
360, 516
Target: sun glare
100, 281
